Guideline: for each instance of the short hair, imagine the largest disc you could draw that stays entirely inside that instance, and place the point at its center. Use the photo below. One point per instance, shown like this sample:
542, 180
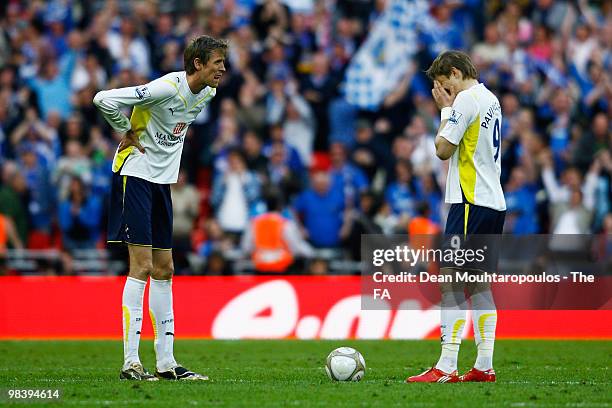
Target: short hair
445, 62
202, 47
274, 199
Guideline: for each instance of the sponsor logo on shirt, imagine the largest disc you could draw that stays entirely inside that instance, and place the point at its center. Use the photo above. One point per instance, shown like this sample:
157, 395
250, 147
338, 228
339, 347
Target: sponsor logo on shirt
143, 92
164, 139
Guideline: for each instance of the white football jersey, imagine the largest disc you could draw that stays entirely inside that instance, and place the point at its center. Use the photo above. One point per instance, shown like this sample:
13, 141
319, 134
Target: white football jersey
163, 110
475, 169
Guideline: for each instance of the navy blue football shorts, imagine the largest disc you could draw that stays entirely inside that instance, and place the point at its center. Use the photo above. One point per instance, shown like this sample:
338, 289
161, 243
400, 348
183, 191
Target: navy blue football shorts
476, 232
467, 219
140, 213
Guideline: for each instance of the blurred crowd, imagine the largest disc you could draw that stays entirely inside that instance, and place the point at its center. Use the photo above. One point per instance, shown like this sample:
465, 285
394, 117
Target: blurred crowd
280, 128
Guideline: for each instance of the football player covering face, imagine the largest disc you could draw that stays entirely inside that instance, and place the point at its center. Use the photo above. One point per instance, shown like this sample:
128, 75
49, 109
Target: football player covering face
469, 137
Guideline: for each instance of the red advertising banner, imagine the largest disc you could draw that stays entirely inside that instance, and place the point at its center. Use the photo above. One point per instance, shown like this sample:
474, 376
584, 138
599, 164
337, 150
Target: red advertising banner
304, 307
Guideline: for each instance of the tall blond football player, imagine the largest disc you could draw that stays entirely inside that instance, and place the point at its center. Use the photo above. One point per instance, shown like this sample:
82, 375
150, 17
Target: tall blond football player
140, 215
469, 136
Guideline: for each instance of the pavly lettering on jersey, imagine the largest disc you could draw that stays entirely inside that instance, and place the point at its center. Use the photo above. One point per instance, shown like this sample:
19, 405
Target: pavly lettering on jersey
493, 109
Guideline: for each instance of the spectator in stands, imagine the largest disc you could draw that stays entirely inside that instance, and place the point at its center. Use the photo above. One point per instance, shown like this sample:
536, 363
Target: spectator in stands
41, 197
440, 33
185, 209
88, 72
253, 152
430, 193
8, 234
272, 240
129, 49
280, 174
277, 135
571, 182
573, 217
52, 84
345, 176
74, 129
216, 264
520, 193
292, 110
235, 194
39, 136
541, 48
423, 150
421, 224
299, 125
402, 193
14, 199
79, 217
360, 220
228, 134
318, 88
74, 164
320, 208
215, 239
251, 112
492, 51
269, 15
593, 141
368, 152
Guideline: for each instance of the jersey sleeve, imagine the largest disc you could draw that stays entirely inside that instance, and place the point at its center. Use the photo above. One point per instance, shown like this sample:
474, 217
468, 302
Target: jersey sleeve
111, 102
463, 114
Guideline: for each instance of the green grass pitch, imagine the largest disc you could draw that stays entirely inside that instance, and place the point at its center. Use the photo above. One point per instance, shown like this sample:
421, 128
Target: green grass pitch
291, 373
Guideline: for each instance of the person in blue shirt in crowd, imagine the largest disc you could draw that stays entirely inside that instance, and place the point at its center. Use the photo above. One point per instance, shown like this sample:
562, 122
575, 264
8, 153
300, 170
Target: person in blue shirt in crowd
521, 204
42, 196
79, 217
402, 193
293, 157
429, 192
321, 208
440, 33
52, 84
345, 176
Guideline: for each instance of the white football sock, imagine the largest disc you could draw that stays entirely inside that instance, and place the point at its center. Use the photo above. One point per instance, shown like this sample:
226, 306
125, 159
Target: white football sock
162, 317
453, 315
484, 318
133, 294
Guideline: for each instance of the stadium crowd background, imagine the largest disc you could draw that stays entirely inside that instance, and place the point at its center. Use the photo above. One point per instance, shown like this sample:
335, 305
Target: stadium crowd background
280, 122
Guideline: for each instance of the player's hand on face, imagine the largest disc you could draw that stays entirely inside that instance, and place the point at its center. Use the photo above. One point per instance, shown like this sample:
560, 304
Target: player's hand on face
442, 97
130, 139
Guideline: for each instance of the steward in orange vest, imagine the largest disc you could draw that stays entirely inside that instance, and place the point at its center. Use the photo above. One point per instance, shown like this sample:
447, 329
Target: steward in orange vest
273, 240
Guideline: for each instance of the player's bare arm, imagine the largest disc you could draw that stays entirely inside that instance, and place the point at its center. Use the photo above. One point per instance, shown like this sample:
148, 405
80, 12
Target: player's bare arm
444, 98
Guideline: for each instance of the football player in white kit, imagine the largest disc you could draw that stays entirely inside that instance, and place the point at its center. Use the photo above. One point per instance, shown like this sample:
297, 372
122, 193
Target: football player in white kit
469, 135
146, 162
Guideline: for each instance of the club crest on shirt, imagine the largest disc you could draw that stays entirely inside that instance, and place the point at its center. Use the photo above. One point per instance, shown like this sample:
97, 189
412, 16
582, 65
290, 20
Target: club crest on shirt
143, 92
179, 128
454, 117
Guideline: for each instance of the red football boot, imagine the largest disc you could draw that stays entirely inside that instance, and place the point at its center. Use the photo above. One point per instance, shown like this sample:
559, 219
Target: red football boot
433, 375
475, 375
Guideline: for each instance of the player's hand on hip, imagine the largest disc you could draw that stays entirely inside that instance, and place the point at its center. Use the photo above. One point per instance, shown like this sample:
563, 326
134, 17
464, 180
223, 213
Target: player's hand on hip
442, 97
130, 139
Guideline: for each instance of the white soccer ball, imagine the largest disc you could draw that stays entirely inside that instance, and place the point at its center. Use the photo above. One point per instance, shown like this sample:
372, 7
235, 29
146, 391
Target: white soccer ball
345, 364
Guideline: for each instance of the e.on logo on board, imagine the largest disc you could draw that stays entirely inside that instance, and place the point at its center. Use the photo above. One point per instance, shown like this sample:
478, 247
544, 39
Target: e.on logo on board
272, 310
